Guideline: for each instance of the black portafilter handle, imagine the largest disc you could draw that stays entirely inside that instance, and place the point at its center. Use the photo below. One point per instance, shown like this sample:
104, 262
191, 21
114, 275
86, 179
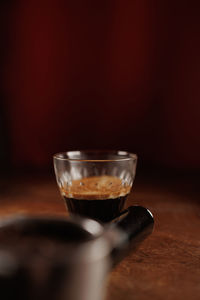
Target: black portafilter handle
136, 223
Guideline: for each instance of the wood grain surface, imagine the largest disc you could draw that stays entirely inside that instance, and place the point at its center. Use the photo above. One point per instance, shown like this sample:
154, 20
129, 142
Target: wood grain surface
166, 265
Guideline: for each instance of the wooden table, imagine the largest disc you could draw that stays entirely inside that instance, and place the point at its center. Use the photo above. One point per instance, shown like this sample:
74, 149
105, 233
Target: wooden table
167, 264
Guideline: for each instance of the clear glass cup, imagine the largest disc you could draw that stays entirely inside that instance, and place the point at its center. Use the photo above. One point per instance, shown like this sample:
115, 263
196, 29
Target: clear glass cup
95, 184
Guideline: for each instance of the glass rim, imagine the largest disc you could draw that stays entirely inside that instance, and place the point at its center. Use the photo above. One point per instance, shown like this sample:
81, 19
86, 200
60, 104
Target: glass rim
130, 156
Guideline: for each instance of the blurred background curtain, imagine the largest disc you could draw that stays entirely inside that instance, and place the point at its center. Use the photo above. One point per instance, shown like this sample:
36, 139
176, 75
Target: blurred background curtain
100, 74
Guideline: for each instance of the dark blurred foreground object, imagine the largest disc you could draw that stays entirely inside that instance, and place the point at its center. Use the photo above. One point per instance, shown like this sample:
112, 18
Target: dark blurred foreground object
59, 259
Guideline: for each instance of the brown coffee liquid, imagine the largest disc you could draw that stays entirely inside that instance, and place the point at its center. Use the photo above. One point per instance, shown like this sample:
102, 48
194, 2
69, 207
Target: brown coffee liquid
100, 197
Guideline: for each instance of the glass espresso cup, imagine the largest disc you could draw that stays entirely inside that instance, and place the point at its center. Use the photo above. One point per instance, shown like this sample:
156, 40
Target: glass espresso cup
95, 184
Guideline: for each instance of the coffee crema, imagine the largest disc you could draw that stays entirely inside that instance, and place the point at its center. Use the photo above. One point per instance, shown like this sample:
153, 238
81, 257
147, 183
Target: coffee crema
98, 197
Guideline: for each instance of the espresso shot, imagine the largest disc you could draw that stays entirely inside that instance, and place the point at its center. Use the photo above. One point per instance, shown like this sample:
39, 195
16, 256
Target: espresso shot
99, 197
95, 183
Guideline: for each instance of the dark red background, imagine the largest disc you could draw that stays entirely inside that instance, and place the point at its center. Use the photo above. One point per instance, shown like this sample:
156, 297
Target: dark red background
102, 74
